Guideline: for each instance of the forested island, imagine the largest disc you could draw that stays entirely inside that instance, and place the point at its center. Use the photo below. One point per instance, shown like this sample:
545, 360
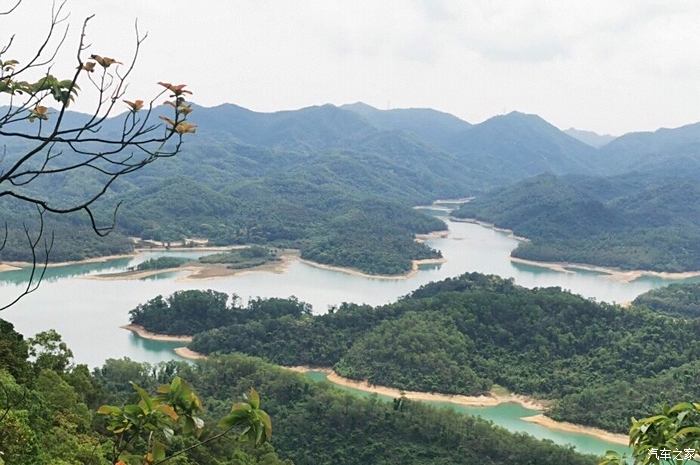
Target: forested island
52, 415
242, 258
600, 364
633, 222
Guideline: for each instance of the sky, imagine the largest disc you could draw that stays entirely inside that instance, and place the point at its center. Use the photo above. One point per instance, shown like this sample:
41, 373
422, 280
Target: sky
608, 66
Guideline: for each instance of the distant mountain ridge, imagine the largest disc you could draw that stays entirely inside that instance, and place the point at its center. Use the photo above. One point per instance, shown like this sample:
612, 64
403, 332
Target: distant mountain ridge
589, 137
302, 177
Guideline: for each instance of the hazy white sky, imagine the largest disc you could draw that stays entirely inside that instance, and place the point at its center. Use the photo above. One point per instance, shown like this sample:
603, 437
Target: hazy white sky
609, 66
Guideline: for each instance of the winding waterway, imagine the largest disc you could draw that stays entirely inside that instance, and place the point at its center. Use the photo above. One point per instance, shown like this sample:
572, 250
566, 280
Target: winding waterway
89, 312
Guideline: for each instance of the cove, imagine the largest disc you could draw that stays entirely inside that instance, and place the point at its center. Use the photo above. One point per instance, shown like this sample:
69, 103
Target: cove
89, 312
507, 415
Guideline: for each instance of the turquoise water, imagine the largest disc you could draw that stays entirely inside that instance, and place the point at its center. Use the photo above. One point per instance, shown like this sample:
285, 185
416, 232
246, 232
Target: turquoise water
89, 313
508, 416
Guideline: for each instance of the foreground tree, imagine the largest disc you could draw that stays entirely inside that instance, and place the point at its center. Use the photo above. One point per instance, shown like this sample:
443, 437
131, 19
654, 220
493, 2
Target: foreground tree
143, 431
43, 143
669, 438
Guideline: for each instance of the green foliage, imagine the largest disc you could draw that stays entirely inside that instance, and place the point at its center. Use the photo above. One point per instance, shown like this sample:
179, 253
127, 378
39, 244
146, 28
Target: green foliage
13, 351
49, 351
174, 410
677, 300
51, 415
633, 221
321, 425
73, 237
600, 363
194, 311
247, 257
670, 437
161, 263
436, 352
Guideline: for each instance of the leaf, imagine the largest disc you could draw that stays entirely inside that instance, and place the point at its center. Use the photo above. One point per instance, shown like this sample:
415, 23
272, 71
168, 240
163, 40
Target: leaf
135, 105
689, 430
168, 433
158, 451
254, 398
147, 400
108, 410
168, 410
267, 423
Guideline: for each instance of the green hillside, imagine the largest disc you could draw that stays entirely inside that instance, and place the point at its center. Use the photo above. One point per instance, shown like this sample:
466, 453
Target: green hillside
633, 221
463, 336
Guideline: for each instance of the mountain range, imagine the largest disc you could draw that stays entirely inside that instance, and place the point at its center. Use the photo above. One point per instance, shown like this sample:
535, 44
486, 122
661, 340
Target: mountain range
321, 177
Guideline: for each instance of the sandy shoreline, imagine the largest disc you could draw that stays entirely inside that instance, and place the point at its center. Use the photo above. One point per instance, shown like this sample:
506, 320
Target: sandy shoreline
101, 259
146, 334
625, 276
474, 401
6, 267
490, 400
617, 274
549, 423
189, 354
105, 258
415, 267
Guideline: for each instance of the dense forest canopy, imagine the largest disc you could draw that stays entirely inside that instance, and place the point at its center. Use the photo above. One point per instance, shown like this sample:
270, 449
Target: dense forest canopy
52, 419
465, 335
630, 221
682, 300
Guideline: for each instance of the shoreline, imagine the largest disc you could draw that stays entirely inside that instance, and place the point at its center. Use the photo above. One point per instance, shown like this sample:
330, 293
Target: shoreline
189, 354
14, 265
617, 274
483, 400
6, 267
195, 271
142, 332
491, 400
545, 421
508, 232
415, 268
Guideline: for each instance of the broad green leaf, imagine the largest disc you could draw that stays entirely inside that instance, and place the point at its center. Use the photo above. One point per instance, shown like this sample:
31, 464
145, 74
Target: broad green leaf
254, 398
158, 451
108, 410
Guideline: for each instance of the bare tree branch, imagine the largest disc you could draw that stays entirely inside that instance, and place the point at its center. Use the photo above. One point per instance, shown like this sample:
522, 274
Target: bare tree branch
98, 145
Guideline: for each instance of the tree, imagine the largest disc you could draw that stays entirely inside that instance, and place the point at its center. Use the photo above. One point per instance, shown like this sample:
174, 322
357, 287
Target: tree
671, 437
43, 142
174, 410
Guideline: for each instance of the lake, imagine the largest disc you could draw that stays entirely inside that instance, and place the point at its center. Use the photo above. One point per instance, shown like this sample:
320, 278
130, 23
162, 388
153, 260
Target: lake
89, 312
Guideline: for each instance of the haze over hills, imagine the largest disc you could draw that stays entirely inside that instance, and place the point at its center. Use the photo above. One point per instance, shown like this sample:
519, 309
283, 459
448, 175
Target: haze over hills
589, 137
319, 177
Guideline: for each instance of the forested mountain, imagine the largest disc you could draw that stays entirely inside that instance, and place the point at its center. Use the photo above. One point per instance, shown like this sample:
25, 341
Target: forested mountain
653, 150
589, 137
430, 126
634, 221
50, 416
339, 182
517, 145
462, 336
